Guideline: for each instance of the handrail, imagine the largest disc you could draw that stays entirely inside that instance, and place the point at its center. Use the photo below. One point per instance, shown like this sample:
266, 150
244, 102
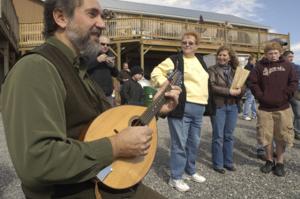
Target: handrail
164, 29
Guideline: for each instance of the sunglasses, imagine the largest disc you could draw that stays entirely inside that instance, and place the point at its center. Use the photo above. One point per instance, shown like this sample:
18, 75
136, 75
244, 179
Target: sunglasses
190, 43
104, 44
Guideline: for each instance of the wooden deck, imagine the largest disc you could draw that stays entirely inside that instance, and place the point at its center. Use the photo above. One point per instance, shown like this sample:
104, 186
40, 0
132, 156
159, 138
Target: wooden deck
153, 29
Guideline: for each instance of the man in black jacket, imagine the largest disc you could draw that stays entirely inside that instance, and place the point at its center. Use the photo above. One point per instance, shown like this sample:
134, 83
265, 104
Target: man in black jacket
132, 92
103, 68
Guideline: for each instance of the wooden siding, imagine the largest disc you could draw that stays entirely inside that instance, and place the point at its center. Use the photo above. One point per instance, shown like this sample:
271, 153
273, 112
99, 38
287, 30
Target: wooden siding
29, 11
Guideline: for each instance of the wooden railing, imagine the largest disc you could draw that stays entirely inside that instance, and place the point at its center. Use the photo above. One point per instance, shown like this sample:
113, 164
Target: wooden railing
31, 35
161, 29
9, 16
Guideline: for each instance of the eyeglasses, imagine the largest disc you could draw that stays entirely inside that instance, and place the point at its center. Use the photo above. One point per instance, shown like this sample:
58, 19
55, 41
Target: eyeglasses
190, 43
104, 44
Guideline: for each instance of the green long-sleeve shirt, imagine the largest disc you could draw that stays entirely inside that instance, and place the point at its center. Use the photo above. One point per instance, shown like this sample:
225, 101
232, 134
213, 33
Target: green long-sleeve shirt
33, 98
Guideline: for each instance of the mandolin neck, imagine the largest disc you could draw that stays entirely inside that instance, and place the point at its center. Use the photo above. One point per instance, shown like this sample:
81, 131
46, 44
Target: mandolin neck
155, 107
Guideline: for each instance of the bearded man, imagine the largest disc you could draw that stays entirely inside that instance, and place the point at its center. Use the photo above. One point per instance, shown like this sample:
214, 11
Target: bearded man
49, 100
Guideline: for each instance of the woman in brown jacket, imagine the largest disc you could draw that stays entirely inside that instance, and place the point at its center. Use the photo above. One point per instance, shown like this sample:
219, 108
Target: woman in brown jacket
226, 101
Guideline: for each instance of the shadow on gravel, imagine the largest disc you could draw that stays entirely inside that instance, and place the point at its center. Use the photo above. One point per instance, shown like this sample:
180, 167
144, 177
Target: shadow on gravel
297, 144
244, 154
7, 176
204, 156
161, 164
294, 167
247, 149
248, 127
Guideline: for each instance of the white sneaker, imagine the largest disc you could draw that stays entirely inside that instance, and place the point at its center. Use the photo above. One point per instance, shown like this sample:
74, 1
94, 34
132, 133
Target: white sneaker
179, 185
247, 118
195, 177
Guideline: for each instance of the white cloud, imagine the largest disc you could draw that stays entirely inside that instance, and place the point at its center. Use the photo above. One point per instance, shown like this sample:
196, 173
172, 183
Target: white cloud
273, 30
241, 8
296, 58
175, 3
296, 49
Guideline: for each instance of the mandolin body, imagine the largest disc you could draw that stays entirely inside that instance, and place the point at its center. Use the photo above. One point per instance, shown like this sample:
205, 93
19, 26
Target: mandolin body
125, 172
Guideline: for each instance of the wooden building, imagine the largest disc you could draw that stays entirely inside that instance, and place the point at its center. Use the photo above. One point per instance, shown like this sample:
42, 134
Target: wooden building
145, 34
30, 14
9, 36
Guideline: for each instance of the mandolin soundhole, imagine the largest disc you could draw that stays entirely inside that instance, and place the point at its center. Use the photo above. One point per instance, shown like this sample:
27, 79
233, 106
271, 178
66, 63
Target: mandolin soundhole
136, 121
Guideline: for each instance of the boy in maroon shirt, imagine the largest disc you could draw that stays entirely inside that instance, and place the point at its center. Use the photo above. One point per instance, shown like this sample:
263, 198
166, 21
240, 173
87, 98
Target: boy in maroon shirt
273, 83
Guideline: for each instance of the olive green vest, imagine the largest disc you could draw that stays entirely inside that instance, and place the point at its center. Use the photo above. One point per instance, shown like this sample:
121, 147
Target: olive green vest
81, 108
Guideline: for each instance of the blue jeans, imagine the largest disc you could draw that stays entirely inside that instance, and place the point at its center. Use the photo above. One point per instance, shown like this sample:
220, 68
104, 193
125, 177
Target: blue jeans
223, 124
249, 104
296, 110
185, 140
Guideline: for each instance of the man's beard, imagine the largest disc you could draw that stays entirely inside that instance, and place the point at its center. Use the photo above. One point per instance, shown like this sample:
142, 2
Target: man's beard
87, 46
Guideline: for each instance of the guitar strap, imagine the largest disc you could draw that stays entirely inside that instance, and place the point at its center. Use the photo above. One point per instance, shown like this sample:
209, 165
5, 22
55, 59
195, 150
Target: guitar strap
97, 192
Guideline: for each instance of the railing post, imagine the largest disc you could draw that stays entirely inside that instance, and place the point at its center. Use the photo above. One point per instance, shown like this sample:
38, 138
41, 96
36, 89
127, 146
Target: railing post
289, 41
141, 25
119, 55
185, 25
225, 34
259, 43
142, 55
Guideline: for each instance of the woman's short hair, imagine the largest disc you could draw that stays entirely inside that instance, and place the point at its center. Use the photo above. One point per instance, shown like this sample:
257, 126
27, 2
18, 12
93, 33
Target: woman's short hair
192, 33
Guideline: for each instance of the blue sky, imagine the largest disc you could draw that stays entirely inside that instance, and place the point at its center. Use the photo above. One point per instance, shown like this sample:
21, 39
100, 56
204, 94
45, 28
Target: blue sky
280, 15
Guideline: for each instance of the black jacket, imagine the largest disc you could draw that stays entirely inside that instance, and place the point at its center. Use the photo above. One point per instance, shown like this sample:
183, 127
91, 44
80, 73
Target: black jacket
132, 93
102, 74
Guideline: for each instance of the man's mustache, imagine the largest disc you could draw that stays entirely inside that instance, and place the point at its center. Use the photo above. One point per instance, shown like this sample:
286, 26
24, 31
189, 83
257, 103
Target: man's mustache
96, 31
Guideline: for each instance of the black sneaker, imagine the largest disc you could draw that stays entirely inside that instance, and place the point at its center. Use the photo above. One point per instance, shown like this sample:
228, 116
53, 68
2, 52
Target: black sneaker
268, 167
231, 168
279, 170
222, 171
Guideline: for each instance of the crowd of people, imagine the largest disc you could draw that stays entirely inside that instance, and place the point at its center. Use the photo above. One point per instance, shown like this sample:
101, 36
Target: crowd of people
67, 82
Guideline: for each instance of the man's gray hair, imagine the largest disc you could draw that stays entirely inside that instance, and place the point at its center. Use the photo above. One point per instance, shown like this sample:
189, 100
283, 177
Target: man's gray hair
66, 6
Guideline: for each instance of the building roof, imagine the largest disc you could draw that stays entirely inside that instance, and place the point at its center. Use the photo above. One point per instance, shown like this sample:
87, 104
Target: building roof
173, 12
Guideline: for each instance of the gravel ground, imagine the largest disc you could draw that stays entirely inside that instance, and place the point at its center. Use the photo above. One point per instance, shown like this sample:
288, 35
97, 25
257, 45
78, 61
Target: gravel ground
246, 183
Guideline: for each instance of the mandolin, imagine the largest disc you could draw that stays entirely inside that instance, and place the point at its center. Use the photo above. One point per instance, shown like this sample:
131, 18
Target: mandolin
126, 172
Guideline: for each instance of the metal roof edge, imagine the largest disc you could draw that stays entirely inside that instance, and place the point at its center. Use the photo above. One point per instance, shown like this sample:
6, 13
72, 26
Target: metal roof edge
179, 17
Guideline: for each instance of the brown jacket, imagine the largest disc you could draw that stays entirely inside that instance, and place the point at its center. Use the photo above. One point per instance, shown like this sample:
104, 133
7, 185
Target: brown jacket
219, 88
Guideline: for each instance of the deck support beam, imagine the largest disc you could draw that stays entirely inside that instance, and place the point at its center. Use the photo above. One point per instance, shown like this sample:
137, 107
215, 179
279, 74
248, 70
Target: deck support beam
142, 55
4, 45
119, 55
